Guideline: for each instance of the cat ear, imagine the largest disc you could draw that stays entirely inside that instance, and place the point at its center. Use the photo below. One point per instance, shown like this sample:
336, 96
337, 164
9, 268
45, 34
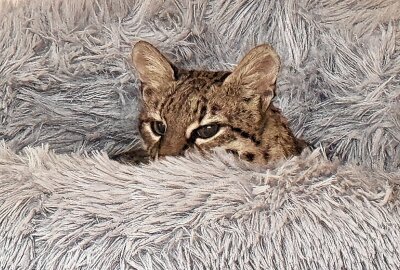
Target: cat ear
153, 68
257, 72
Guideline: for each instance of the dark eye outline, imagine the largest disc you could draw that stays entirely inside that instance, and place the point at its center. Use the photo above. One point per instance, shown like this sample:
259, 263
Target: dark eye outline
200, 131
158, 128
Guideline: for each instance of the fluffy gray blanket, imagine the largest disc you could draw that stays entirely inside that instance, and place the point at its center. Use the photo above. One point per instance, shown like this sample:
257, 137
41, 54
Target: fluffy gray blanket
66, 81
74, 212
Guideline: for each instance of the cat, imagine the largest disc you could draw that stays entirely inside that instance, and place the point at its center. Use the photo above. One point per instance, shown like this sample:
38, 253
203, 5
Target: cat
197, 109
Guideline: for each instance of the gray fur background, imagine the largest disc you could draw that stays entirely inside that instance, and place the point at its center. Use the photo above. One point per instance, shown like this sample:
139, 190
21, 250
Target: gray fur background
66, 81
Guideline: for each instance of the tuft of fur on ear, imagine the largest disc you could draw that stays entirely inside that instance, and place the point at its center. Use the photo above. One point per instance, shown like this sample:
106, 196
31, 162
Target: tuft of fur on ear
257, 73
153, 68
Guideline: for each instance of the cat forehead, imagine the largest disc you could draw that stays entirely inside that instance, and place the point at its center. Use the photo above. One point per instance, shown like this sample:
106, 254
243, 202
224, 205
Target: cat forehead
192, 95
193, 91
200, 79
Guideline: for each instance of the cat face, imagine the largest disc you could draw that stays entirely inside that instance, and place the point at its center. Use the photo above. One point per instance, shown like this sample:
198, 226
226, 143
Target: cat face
203, 109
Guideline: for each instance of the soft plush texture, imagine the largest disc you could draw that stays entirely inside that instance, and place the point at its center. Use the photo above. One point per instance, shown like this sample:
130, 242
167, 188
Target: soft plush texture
75, 212
66, 80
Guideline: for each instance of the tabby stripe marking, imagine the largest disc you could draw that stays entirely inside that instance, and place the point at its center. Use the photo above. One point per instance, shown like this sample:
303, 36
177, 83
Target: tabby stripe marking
246, 135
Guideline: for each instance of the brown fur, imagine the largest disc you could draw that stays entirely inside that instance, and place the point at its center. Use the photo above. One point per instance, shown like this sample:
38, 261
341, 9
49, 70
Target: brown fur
239, 102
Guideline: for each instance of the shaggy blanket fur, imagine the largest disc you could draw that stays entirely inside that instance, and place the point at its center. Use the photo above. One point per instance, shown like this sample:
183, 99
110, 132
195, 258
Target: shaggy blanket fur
72, 212
66, 81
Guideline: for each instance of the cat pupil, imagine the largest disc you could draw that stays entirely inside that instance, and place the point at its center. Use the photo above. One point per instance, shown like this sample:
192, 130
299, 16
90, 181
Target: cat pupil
158, 128
207, 131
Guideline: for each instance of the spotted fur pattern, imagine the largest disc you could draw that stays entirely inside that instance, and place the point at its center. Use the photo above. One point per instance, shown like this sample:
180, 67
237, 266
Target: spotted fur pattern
239, 102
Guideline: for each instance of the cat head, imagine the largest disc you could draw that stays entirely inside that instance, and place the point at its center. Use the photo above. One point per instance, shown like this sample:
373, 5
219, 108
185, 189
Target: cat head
186, 109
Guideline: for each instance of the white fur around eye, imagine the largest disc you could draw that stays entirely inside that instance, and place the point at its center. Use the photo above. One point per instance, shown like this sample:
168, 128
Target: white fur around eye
147, 125
211, 120
190, 129
148, 129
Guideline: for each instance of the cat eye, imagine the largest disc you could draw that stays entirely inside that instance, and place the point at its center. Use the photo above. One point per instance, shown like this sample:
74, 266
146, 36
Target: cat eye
207, 131
158, 128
